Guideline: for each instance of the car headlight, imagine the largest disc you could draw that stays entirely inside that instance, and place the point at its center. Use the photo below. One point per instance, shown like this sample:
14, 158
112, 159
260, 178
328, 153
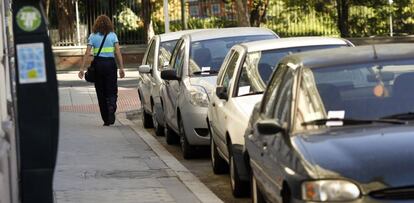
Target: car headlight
329, 190
198, 96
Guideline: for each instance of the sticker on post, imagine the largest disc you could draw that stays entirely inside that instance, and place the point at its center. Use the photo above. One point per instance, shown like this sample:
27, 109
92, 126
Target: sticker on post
28, 18
243, 90
31, 63
205, 70
335, 115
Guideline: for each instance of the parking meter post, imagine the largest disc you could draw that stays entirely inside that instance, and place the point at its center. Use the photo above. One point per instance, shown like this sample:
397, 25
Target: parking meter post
37, 102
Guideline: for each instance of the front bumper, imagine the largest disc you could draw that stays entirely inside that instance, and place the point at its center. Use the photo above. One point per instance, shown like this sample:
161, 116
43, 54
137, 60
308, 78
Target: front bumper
195, 125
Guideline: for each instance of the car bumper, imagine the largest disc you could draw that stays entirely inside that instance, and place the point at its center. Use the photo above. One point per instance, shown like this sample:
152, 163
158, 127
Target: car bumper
195, 125
364, 199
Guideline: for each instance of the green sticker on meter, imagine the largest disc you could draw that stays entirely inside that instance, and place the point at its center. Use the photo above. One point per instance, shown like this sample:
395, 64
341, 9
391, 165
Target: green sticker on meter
28, 18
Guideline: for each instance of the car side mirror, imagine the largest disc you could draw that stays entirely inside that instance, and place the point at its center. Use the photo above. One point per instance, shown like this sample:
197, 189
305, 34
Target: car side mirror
221, 93
269, 127
169, 75
144, 69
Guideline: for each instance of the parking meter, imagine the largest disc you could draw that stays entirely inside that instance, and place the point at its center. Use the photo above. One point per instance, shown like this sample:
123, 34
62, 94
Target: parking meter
37, 102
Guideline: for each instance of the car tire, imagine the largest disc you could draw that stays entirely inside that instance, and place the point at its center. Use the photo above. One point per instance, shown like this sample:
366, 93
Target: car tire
218, 164
170, 136
159, 129
146, 119
257, 196
239, 188
187, 149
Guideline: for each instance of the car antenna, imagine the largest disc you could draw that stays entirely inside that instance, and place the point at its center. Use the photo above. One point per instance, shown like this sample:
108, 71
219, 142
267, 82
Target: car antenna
375, 52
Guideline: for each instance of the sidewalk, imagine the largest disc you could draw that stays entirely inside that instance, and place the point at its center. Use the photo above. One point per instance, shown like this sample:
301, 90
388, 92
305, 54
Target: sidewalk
121, 163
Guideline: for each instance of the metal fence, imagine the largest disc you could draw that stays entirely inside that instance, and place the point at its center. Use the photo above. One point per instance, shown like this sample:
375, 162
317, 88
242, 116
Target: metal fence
285, 17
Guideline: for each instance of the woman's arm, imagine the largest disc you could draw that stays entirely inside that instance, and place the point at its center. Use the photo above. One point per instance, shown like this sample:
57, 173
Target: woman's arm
84, 59
120, 61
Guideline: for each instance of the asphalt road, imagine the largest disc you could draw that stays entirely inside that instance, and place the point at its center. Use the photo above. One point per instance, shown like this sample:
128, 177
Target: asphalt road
200, 167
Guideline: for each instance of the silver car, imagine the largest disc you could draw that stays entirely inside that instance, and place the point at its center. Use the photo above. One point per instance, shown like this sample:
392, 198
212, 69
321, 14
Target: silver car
194, 65
240, 85
155, 59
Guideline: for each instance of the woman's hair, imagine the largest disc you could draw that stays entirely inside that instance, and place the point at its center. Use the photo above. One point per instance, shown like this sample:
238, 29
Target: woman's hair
103, 25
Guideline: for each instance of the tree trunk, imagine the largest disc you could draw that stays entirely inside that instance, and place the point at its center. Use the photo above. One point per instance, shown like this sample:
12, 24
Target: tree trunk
66, 20
242, 13
342, 6
258, 13
146, 16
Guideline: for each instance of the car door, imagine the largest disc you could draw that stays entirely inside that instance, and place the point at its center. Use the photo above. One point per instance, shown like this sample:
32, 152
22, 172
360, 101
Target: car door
219, 104
147, 78
278, 149
173, 86
257, 143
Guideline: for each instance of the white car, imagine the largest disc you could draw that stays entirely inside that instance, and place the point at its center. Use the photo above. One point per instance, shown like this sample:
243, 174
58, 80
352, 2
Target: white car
241, 82
156, 57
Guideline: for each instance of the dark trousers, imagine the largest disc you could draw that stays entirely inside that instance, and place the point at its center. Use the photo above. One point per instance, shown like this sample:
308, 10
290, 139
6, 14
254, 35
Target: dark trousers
106, 87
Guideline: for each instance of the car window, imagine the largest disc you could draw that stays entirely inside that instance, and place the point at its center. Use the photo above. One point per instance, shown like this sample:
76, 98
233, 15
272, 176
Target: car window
231, 66
174, 54
284, 98
210, 53
179, 62
222, 72
360, 91
270, 93
164, 54
151, 52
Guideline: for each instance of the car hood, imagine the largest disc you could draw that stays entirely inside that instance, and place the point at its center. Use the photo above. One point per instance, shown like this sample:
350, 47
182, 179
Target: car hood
245, 104
207, 82
375, 157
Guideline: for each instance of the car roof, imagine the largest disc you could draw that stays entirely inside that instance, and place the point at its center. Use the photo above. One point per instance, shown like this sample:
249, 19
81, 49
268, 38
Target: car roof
352, 55
229, 32
292, 42
176, 35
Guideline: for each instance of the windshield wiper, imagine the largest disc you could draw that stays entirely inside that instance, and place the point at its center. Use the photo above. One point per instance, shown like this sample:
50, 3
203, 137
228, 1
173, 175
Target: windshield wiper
401, 116
205, 71
348, 121
252, 93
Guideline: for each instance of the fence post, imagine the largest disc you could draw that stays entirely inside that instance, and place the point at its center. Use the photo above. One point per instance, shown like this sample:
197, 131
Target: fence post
77, 22
183, 18
166, 17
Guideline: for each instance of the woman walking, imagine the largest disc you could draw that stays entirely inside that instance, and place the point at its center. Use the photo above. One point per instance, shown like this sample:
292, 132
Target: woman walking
105, 66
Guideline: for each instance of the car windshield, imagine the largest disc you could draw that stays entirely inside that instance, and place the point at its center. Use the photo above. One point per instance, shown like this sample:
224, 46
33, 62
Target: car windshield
258, 67
165, 51
359, 91
208, 55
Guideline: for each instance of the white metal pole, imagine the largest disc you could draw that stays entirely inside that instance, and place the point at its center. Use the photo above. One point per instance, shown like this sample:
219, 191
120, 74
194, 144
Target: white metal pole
77, 22
391, 28
166, 17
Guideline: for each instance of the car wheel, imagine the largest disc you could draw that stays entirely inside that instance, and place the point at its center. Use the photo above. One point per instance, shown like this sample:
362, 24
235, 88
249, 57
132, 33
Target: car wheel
217, 162
146, 119
186, 148
257, 196
239, 188
159, 129
170, 136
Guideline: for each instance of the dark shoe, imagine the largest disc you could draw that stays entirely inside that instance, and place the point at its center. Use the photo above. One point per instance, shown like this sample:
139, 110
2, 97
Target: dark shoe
106, 124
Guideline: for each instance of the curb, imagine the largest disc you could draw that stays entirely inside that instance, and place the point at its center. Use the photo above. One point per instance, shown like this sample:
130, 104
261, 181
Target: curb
201, 191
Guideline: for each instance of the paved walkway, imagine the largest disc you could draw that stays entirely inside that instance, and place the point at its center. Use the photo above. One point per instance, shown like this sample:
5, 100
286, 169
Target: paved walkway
121, 163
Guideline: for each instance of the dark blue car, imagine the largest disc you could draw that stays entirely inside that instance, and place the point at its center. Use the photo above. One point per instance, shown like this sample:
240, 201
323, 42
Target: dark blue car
336, 126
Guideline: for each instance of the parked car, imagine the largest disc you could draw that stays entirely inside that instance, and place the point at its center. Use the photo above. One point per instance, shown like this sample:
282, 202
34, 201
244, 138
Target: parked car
195, 63
155, 59
240, 85
336, 126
